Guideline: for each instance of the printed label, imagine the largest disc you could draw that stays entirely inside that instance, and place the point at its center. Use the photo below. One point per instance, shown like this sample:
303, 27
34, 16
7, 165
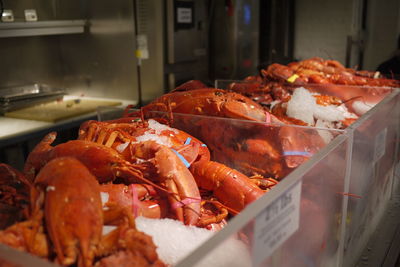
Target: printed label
142, 48
276, 223
380, 145
30, 15
184, 15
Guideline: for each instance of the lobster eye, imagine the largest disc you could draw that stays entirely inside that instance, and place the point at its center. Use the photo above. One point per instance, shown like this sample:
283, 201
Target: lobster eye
219, 93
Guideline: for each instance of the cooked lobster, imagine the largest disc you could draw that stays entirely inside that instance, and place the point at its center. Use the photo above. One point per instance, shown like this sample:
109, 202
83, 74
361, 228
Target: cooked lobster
190, 150
14, 195
107, 164
67, 219
239, 143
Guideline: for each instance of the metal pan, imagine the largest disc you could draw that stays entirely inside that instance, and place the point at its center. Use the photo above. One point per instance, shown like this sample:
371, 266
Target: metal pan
18, 93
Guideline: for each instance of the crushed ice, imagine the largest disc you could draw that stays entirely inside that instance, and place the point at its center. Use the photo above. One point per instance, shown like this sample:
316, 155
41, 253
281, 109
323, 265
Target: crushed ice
158, 127
155, 134
303, 106
176, 240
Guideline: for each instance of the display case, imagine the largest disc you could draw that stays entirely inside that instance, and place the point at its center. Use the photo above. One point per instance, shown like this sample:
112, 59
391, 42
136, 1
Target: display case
330, 196
375, 157
299, 221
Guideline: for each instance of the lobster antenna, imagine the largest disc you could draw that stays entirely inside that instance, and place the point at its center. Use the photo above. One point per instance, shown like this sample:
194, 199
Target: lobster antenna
351, 99
328, 54
170, 114
142, 115
175, 195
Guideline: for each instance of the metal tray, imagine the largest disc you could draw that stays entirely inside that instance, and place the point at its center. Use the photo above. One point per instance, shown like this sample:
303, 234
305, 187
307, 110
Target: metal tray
13, 98
24, 103
18, 93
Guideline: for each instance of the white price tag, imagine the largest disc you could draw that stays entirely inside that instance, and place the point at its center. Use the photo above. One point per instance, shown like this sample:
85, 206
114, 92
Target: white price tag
184, 15
380, 145
30, 15
142, 51
7, 16
276, 223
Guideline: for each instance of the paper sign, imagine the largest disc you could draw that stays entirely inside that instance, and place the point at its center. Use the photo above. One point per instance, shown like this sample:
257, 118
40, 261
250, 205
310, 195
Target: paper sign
380, 145
276, 223
184, 15
142, 50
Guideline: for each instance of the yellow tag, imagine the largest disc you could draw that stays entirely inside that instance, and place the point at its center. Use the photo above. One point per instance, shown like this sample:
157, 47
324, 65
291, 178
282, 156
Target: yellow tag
293, 78
138, 53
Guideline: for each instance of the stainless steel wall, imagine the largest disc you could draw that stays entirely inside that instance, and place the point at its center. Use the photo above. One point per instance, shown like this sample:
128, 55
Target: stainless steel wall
187, 46
235, 38
38, 59
100, 62
151, 22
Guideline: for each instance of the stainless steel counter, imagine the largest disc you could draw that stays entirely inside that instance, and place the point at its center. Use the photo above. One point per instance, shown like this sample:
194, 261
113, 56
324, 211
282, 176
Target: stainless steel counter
13, 131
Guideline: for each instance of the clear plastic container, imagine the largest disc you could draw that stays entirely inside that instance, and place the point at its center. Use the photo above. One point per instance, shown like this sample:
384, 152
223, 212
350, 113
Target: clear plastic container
374, 158
375, 168
329, 200
299, 221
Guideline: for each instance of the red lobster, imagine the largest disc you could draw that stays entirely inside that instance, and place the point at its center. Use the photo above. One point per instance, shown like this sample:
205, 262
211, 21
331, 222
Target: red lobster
190, 150
74, 220
14, 195
222, 103
107, 164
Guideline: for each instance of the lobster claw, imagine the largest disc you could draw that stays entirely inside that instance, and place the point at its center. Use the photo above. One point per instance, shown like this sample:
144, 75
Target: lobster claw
72, 193
184, 195
299, 144
234, 189
242, 108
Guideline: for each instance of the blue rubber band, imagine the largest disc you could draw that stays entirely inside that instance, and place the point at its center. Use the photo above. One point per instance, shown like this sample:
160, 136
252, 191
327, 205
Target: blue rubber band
188, 141
203, 145
187, 164
297, 153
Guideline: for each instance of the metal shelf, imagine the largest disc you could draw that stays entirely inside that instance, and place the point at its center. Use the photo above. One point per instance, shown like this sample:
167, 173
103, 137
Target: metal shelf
39, 28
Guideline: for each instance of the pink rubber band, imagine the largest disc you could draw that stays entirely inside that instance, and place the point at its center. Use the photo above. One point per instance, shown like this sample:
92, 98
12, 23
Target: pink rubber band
135, 201
267, 117
184, 202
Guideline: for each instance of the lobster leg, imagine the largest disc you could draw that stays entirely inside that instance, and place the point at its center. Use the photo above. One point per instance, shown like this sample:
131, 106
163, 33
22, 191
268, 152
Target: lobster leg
142, 199
126, 237
27, 236
39, 156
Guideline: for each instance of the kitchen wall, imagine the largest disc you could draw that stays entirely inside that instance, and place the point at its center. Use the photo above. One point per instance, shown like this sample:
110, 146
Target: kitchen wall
383, 24
100, 62
322, 29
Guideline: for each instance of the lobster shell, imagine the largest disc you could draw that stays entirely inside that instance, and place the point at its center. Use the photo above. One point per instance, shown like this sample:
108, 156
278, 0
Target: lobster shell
73, 209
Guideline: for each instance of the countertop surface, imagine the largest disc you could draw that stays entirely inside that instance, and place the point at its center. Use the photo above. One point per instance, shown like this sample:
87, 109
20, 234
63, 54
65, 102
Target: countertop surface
13, 130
